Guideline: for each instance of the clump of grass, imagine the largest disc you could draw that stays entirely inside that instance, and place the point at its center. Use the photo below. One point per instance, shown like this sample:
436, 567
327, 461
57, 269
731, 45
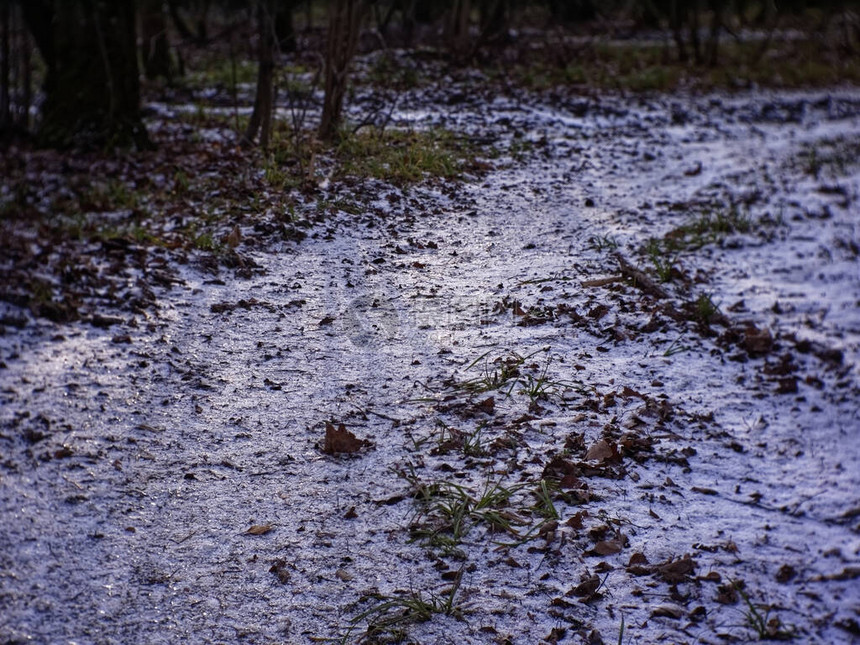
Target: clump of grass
544, 505
497, 373
704, 309
388, 619
676, 347
470, 444
390, 73
707, 228
602, 243
222, 72
664, 258
833, 156
641, 67
448, 512
506, 371
758, 618
112, 195
402, 156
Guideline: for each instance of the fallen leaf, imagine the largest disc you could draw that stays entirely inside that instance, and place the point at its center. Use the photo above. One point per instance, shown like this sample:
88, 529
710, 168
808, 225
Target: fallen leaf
712, 576
637, 558
575, 522
601, 451
704, 491
341, 440
259, 529
668, 611
727, 594
279, 568
487, 406
786, 573
234, 238
585, 588
609, 547
675, 571
757, 341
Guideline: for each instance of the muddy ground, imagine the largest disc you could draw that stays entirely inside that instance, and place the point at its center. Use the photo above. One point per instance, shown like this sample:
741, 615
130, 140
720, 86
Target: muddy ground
554, 430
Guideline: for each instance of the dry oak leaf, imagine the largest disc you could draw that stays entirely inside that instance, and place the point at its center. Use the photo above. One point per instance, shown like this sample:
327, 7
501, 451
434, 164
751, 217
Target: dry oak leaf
341, 440
668, 611
757, 341
609, 547
601, 451
675, 571
586, 588
487, 406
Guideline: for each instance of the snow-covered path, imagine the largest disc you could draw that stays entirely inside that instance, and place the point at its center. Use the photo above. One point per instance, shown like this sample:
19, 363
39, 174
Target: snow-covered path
135, 459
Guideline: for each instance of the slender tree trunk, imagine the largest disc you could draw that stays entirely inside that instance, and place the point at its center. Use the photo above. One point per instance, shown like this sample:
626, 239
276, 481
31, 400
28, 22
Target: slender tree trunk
92, 90
5, 49
458, 28
676, 23
202, 18
494, 21
155, 48
21, 65
285, 30
261, 117
695, 41
770, 21
344, 28
23, 120
718, 7
181, 26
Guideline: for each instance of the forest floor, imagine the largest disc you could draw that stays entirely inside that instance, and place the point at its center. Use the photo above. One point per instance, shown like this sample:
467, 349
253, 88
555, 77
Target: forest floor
594, 380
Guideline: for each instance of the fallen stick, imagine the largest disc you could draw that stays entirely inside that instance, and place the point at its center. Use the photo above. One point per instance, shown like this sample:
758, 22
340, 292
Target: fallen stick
601, 282
640, 280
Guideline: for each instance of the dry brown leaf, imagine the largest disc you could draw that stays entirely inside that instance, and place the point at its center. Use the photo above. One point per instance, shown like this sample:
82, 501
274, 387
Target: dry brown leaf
279, 568
575, 522
234, 238
637, 558
341, 440
757, 341
668, 611
586, 588
487, 406
609, 547
259, 529
601, 451
675, 571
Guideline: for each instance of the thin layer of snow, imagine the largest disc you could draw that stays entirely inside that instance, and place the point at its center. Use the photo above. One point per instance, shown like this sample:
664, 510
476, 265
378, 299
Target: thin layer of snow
209, 423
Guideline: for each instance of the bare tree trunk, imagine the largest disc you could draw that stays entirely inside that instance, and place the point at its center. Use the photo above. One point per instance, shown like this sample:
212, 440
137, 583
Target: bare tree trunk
155, 48
676, 24
494, 21
4, 64
694, 12
202, 31
26, 71
458, 28
285, 29
771, 21
718, 7
261, 117
344, 28
92, 91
